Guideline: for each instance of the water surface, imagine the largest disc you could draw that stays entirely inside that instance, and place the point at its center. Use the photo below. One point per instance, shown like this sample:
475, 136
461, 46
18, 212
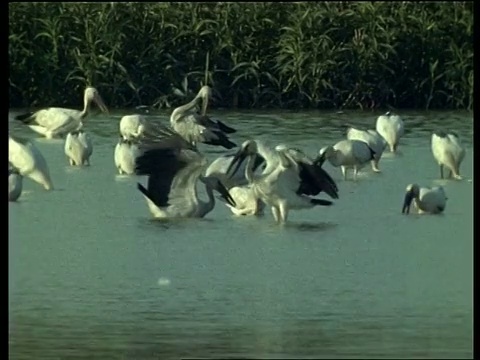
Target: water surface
90, 275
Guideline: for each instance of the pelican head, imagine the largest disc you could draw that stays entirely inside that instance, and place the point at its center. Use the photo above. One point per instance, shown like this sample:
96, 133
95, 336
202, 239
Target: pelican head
204, 95
248, 148
412, 192
92, 95
323, 154
215, 184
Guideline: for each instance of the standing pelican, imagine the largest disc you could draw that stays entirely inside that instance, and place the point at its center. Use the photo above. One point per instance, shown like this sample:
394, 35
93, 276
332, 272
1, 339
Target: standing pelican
427, 200
347, 154
15, 183
197, 128
125, 154
391, 128
373, 139
78, 148
246, 202
287, 182
53, 121
448, 151
29, 161
132, 126
173, 174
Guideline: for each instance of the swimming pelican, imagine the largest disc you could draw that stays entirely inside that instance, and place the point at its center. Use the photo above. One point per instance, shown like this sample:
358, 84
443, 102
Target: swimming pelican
29, 161
427, 200
246, 203
15, 184
391, 128
286, 182
54, 121
448, 151
196, 128
78, 148
132, 126
126, 151
373, 139
173, 174
347, 154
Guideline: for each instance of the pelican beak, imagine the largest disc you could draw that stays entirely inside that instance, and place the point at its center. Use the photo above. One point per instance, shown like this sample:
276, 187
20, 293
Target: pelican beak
320, 160
238, 159
407, 202
205, 105
224, 193
99, 101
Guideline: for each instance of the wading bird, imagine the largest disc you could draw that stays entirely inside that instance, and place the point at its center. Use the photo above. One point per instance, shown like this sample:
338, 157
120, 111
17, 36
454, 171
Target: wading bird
78, 148
15, 183
391, 128
347, 154
56, 122
373, 139
448, 152
25, 156
199, 128
132, 126
427, 200
287, 180
126, 151
173, 174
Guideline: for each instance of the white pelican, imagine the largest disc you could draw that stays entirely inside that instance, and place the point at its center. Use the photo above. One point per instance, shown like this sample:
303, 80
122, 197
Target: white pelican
448, 151
78, 148
132, 126
246, 203
373, 139
347, 154
124, 157
15, 183
54, 121
29, 161
196, 128
173, 174
427, 200
286, 182
391, 128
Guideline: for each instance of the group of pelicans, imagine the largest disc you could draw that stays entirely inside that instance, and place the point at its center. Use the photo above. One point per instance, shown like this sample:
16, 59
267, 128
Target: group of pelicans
283, 178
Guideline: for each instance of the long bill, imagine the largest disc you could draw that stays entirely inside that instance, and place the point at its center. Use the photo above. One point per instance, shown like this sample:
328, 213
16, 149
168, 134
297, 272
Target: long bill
238, 159
224, 193
407, 202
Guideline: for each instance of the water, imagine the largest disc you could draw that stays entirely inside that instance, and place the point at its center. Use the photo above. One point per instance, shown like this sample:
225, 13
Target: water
90, 275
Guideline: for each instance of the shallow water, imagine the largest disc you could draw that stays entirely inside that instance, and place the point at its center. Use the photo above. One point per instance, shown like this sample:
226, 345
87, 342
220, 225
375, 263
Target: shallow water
90, 275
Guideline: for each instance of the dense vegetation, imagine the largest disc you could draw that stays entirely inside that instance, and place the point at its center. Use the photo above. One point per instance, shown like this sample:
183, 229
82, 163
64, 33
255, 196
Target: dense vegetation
255, 55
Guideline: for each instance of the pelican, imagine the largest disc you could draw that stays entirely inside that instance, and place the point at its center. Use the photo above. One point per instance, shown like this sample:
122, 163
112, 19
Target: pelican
373, 139
54, 122
286, 182
246, 202
29, 161
78, 148
347, 154
427, 200
173, 174
126, 151
132, 126
391, 128
15, 183
196, 128
448, 151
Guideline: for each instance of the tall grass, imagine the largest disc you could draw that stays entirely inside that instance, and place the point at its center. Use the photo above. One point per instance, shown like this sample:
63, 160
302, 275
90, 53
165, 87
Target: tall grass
288, 55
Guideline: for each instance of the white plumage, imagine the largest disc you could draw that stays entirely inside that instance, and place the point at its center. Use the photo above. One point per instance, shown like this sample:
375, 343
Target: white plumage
373, 139
27, 158
427, 200
78, 148
391, 128
125, 155
347, 154
448, 152
15, 183
56, 122
132, 126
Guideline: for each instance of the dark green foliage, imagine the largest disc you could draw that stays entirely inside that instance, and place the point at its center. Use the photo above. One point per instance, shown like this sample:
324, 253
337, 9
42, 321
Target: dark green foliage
255, 55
